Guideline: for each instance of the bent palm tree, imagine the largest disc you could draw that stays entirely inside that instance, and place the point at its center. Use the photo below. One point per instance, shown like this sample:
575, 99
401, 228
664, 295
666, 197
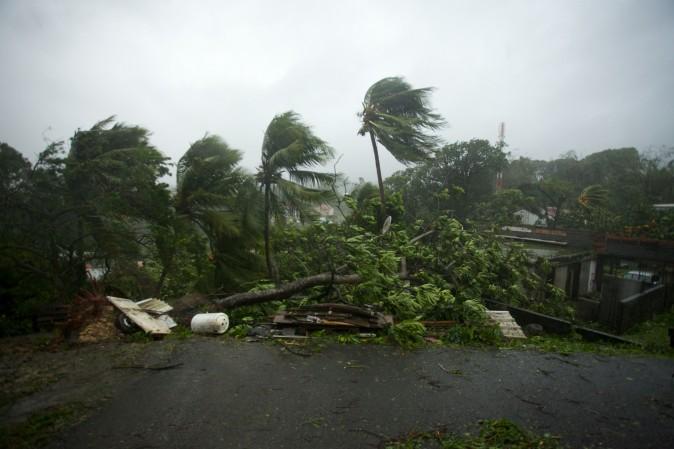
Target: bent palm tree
400, 118
289, 151
214, 194
593, 196
208, 179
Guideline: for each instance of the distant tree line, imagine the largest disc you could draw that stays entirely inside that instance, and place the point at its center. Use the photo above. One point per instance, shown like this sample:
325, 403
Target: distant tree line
612, 190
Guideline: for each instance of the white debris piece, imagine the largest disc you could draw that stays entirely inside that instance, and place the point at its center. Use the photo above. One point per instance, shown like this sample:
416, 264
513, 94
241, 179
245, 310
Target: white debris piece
140, 316
154, 305
210, 323
168, 320
506, 323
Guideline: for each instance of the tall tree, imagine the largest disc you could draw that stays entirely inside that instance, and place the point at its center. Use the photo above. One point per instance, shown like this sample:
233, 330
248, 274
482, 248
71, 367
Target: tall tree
400, 118
94, 206
218, 198
289, 150
456, 178
112, 174
208, 178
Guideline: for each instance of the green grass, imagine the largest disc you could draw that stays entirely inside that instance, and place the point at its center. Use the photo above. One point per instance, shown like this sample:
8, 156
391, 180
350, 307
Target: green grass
566, 345
40, 427
180, 332
653, 334
493, 434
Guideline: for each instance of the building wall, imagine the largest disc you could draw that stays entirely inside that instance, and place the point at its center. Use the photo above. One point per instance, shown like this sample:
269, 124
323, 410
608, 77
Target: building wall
588, 271
560, 276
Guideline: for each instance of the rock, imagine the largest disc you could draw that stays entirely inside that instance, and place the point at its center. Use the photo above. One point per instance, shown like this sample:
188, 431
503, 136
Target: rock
533, 329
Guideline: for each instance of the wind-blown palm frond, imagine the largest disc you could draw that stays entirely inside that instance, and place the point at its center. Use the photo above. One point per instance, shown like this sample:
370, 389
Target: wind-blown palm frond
221, 200
289, 150
289, 143
400, 118
311, 178
207, 182
593, 196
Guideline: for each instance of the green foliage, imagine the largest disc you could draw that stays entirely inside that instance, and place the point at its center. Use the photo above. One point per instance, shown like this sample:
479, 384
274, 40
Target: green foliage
653, 334
493, 434
453, 181
289, 151
605, 191
222, 205
465, 334
180, 332
365, 205
570, 344
91, 208
348, 339
208, 179
408, 334
499, 209
239, 331
400, 118
454, 270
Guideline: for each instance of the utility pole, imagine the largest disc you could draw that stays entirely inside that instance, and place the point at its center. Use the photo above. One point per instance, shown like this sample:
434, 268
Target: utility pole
500, 145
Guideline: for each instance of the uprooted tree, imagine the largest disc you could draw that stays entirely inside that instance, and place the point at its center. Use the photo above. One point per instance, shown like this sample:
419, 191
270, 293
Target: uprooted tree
446, 274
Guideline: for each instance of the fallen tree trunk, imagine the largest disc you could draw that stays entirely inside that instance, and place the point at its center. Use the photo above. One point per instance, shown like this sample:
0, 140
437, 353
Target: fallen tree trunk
286, 290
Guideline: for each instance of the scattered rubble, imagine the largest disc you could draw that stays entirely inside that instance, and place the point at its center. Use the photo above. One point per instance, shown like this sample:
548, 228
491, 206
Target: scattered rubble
145, 314
332, 316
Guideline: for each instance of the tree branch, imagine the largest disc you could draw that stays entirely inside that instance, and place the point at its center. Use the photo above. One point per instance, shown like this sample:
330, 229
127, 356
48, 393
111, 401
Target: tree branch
286, 290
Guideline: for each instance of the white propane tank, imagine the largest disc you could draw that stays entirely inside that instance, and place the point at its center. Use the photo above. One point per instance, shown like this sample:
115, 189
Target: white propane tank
210, 323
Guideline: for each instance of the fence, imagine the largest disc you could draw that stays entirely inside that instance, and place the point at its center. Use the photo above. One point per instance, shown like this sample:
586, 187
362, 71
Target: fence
622, 313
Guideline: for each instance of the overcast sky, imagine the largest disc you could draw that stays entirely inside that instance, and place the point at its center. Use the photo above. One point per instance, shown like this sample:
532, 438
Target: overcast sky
563, 75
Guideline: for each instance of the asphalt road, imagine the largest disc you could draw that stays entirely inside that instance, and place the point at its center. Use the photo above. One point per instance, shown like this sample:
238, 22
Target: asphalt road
253, 395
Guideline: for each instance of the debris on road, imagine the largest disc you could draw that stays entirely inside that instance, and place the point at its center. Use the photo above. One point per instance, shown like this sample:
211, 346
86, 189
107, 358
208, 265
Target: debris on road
154, 306
210, 323
149, 314
506, 323
332, 316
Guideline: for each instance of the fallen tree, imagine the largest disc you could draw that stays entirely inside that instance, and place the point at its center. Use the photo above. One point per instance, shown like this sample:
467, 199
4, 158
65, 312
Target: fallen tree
289, 289
286, 291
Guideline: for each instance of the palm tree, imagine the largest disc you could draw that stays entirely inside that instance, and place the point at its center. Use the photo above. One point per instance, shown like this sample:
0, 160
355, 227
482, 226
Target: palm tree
400, 118
593, 196
208, 178
217, 197
289, 151
112, 175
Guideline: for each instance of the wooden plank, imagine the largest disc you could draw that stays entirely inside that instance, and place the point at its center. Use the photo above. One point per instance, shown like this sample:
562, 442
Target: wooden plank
142, 319
506, 323
154, 305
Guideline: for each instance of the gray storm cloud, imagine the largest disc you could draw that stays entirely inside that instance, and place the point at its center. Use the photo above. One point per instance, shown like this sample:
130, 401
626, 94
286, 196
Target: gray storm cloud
563, 75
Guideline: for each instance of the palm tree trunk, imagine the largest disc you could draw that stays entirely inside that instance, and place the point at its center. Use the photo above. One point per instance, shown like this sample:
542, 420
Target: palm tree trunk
271, 268
382, 208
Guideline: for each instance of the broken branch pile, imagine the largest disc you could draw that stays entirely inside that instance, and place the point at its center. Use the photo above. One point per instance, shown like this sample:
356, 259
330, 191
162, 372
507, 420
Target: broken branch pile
335, 316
